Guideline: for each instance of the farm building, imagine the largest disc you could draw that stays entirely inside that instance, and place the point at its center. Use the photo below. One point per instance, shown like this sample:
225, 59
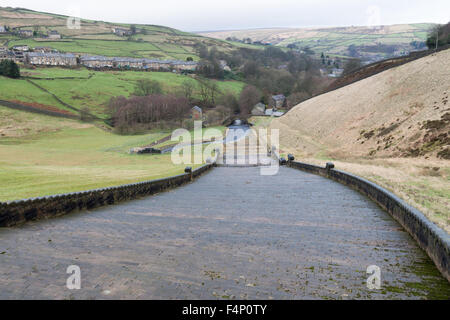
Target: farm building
278, 101
183, 65
131, 63
21, 47
51, 59
45, 50
5, 54
2, 29
121, 32
273, 113
259, 109
24, 33
138, 64
97, 62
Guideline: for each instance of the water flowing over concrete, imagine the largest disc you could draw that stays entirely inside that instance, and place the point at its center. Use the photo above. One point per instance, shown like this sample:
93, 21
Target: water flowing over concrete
231, 234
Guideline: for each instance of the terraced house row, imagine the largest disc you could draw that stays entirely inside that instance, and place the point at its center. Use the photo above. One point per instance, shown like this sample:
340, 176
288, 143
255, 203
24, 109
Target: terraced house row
102, 62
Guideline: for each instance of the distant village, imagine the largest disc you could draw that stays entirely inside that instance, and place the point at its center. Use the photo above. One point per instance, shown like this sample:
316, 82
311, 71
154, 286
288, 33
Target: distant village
45, 56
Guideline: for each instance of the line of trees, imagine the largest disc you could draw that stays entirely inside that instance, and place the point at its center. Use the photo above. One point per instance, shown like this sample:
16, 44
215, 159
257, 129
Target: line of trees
439, 34
139, 113
271, 70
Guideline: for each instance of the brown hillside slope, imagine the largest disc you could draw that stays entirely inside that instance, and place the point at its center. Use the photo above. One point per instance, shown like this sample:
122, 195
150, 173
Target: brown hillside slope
392, 128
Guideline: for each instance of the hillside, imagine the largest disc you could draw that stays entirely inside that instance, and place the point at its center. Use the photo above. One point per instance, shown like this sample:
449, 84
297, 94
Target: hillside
97, 38
60, 155
392, 127
400, 112
369, 43
70, 90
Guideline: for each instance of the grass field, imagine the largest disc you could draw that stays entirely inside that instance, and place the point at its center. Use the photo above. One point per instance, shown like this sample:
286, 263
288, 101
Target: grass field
112, 48
21, 90
41, 155
92, 89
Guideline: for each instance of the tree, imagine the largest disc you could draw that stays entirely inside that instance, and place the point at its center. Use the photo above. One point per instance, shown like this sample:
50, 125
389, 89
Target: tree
189, 59
146, 87
248, 98
441, 33
296, 98
9, 68
229, 101
133, 29
250, 69
187, 88
141, 113
208, 91
353, 51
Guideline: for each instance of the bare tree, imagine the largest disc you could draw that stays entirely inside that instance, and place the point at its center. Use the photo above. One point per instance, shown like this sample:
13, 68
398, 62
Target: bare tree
248, 98
351, 66
208, 91
140, 113
187, 88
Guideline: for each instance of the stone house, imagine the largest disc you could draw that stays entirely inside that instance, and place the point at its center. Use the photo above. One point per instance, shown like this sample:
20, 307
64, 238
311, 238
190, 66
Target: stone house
184, 65
53, 34
21, 47
24, 33
197, 113
278, 101
18, 56
51, 59
7, 55
130, 63
259, 109
136, 64
121, 32
336, 73
224, 65
97, 62
2, 29
45, 50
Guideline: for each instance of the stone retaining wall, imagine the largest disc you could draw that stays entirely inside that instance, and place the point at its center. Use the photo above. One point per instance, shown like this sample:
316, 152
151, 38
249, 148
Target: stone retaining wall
21, 211
432, 239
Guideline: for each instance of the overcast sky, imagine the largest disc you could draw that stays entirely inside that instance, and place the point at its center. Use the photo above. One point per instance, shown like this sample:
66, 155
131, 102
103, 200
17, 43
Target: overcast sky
205, 15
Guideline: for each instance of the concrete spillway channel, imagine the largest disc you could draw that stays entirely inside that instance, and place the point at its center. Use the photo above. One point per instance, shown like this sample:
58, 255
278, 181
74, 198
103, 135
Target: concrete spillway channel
231, 234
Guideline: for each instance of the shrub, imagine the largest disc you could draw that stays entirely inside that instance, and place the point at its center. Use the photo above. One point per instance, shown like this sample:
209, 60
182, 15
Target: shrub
9, 68
145, 87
